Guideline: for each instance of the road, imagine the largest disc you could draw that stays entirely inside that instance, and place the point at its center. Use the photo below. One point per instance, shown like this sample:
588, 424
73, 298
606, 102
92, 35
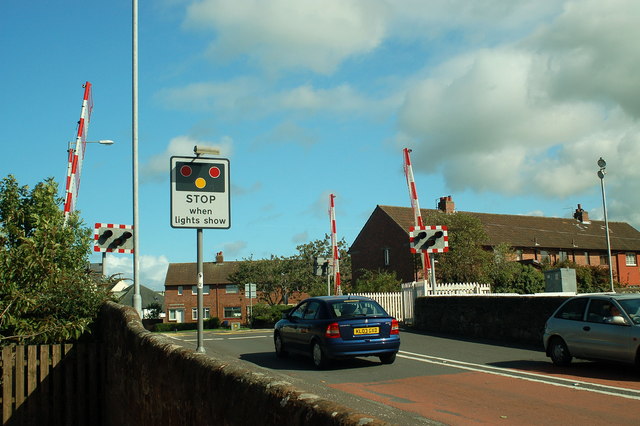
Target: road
436, 379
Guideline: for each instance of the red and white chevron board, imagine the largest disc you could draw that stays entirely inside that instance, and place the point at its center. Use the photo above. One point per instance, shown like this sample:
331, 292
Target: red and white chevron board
96, 236
445, 237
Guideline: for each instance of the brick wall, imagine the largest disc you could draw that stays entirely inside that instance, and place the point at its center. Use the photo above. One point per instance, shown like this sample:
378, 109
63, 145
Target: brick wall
517, 319
150, 381
367, 252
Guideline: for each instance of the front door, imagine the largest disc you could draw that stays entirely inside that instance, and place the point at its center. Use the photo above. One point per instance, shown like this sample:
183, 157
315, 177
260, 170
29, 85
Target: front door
179, 315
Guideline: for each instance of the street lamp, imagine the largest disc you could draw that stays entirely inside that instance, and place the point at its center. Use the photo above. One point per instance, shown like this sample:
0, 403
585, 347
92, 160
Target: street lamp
603, 165
101, 142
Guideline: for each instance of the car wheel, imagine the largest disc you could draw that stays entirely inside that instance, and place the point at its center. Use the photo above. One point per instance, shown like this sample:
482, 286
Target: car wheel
277, 341
559, 352
388, 358
318, 356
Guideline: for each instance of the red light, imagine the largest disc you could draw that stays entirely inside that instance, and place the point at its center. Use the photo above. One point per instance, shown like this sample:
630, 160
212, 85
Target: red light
214, 172
395, 327
333, 330
185, 171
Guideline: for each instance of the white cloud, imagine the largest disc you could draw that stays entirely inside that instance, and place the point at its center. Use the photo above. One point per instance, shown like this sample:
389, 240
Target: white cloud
534, 116
242, 97
281, 34
157, 167
153, 269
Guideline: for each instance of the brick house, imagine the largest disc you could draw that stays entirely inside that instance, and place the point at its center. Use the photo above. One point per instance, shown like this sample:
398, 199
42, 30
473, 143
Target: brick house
383, 242
221, 298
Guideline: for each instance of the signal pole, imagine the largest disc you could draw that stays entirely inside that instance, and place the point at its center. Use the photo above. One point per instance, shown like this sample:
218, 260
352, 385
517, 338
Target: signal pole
334, 246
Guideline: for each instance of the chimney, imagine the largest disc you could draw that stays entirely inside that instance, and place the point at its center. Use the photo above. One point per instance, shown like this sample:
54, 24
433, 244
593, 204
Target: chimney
580, 215
446, 205
219, 257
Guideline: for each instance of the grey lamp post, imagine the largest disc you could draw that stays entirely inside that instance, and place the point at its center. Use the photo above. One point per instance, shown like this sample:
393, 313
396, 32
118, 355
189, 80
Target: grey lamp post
603, 165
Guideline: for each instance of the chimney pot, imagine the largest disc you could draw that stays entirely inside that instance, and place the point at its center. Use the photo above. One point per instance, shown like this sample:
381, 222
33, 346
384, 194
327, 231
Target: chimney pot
219, 257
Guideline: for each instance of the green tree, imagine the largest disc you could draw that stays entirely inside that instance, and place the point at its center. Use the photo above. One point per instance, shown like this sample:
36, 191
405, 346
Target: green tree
466, 260
279, 276
154, 310
46, 294
377, 282
307, 253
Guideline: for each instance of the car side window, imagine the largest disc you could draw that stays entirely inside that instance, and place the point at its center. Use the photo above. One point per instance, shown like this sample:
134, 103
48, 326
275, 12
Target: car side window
602, 311
312, 310
299, 311
572, 310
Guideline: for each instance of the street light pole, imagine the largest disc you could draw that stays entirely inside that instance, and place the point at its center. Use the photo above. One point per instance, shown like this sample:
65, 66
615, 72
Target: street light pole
603, 165
137, 298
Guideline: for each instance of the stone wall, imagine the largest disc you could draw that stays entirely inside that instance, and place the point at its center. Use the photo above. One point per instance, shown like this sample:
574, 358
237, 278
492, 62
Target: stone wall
509, 319
149, 380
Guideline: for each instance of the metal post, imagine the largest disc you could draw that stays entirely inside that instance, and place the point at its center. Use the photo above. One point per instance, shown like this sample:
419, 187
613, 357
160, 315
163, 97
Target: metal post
137, 299
601, 174
200, 286
104, 263
432, 273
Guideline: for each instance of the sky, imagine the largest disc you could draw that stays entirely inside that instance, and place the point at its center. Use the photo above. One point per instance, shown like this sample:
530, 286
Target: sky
506, 105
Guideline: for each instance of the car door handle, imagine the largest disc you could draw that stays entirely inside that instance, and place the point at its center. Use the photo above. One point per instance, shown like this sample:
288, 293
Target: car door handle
586, 328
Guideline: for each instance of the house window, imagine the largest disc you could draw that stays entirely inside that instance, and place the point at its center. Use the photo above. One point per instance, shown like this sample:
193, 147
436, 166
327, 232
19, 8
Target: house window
205, 289
176, 315
603, 259
386, 256
518, 254
231, 289
631, 259
180, 288
544, 256
562, 256
194, 313
232, 312
586, 258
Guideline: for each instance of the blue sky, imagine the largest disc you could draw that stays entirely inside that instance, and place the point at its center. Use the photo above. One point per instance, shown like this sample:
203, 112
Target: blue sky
507, 105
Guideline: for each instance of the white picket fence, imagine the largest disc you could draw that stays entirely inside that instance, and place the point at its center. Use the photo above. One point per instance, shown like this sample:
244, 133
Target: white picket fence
391, 302
400, 304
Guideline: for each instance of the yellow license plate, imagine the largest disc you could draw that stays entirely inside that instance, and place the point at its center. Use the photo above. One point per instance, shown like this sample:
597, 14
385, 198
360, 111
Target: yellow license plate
366, 330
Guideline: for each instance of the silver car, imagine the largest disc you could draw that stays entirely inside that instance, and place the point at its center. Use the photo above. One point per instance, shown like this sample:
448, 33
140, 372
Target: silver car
598, 327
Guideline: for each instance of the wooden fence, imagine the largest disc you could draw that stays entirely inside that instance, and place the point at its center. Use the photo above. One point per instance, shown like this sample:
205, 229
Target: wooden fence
51, 384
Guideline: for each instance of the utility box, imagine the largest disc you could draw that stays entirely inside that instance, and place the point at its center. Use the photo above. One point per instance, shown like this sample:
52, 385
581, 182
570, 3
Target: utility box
560, 280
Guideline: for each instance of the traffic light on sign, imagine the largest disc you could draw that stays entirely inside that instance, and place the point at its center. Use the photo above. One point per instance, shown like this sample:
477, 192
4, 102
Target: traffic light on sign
200, 177
113, 238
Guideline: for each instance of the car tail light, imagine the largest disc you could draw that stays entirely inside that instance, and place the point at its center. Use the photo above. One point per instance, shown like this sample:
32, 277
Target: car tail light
333, 330
395, 327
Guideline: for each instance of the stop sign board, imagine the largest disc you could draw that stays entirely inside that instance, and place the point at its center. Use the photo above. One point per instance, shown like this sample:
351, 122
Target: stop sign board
200, 193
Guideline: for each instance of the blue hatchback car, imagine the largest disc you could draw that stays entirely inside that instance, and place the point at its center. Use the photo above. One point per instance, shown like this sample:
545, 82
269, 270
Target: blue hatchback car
331, 327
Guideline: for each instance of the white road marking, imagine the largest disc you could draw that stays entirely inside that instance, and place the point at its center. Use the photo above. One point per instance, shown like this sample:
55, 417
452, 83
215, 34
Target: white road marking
245, 337
518, 374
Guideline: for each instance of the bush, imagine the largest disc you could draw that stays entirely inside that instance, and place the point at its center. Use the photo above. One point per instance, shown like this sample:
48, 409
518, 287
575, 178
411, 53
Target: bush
266, 316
